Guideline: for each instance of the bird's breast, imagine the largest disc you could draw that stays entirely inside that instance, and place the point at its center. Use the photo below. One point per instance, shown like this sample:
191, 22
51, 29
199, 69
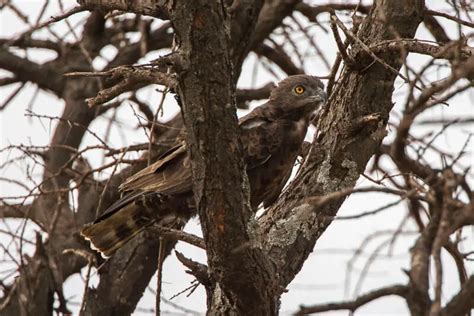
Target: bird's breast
268, 180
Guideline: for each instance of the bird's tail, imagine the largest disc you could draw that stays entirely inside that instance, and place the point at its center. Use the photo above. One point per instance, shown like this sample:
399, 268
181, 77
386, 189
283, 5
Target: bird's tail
113, 230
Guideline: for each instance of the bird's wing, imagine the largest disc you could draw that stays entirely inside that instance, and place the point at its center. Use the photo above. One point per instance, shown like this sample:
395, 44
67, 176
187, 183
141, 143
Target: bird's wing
270, 199
261, 138
171, 174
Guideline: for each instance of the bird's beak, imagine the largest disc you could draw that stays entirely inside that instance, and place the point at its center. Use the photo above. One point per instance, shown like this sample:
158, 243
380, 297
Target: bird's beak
319, 97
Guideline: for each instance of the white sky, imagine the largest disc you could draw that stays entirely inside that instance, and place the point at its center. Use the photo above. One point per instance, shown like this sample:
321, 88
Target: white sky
324, 276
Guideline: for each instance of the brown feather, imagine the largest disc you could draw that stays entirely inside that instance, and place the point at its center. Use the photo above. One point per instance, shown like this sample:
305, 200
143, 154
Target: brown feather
108, 235
170, 175
272, 135
113, 229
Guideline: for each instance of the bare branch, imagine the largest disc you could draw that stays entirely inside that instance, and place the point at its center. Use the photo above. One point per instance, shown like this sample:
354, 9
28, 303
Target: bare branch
462, 302
198, 270
245, 95
11, 96
450, 51
156, 9
342, 48
451, 121
271, 16
128, 78
436, 29
312, 12
400, 290
449, 17
13, 211
158, 39
27, 42
319, 201
279, 57
24, 70
8, 81
53, 20
180, 235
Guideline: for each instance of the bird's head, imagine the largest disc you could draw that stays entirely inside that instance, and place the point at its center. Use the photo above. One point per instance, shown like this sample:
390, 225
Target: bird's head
299, 95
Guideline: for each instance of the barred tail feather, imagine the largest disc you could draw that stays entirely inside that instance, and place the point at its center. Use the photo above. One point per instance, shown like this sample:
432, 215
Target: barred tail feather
109, 233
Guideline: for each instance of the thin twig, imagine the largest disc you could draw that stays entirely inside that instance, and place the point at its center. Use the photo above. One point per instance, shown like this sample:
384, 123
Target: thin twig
159, 270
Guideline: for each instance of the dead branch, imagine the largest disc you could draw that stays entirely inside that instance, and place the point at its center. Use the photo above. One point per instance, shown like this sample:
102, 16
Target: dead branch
44, 76
462, 302
279, 57
182, 236
450, 52
399, 290
198, 270
156, 9
129, 78
312, 12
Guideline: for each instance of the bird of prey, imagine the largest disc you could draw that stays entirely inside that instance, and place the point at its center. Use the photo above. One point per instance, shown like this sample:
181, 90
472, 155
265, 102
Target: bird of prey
272, 136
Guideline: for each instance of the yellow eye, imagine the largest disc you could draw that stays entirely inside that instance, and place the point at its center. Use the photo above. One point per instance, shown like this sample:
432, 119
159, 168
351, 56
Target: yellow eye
299, 89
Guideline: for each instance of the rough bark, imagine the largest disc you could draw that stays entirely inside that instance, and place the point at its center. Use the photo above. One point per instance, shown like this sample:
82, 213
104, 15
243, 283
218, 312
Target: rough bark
343, 146
241, 276
49, 76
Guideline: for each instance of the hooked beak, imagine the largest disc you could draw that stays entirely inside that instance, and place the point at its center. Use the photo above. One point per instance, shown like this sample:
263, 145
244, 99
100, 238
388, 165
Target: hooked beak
319, 97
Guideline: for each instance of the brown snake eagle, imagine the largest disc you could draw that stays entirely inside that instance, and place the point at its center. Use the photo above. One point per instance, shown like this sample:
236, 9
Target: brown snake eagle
272, 136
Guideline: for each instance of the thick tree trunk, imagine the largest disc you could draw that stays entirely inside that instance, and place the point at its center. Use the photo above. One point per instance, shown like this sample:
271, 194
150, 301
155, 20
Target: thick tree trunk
241, 278
351, 130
